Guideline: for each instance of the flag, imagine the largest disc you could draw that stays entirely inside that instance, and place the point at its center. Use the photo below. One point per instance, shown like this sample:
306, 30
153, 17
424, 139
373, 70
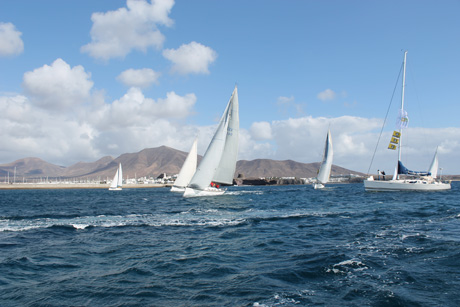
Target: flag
392, 146
394, 140
403, 119
396, 134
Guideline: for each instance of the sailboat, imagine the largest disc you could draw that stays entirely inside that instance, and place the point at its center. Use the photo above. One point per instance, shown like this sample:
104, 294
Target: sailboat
117, 181
412, 180
219, 161
324, 172
187, 171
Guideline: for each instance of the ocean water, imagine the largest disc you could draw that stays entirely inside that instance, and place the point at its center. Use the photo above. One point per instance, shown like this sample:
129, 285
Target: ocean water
257, 246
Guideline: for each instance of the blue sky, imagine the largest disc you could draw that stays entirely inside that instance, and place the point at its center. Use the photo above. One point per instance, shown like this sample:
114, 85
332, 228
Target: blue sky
83, 79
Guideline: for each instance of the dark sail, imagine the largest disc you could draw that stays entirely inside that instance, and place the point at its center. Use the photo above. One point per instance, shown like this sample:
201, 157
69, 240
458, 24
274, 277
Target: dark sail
402, 170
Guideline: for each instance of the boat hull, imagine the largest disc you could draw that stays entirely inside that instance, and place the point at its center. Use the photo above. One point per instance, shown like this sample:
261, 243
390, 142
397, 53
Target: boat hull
318, 186
177, 189
115, 189
190, 192
405, 185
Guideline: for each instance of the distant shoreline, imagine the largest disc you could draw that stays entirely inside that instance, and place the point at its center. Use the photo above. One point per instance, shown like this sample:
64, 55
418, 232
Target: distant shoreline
59, 186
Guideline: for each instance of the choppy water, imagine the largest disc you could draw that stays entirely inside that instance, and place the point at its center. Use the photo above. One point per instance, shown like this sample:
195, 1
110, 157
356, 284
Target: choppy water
258, 246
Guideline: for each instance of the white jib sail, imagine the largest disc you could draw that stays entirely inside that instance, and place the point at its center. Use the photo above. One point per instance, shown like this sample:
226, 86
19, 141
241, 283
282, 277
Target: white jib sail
205, 171
434, 165
120, 177
114, 182
325, 168
226, 169
188, 168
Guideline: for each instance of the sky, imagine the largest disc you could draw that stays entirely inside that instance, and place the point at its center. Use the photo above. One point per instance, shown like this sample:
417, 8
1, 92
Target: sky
84, 79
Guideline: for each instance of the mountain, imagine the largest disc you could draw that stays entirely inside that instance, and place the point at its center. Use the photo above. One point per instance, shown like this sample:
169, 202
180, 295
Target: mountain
147, 162
155, 161
287, 168
30, 167
82, 169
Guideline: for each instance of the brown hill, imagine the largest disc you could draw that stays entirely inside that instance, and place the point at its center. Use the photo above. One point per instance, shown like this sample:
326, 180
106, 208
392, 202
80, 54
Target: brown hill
155, 161
147, 162
287, 168
82, 169
30, 167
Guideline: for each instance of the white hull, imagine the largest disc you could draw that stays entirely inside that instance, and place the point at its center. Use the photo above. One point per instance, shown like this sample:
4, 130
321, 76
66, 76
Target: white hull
190, 192
405, 185
115, 189
318, 186
177, 189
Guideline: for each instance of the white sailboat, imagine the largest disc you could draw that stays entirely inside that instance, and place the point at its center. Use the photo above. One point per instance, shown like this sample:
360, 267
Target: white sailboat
219, 162
411, 181
187, 171
324, 172
117, 181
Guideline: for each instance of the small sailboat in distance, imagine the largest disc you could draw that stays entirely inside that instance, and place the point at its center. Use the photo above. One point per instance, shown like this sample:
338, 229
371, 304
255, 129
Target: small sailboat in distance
324, 172
187, 171
117, 181
219, 161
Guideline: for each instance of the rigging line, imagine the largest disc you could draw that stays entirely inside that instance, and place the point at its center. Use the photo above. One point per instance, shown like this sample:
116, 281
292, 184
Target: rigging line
384, 121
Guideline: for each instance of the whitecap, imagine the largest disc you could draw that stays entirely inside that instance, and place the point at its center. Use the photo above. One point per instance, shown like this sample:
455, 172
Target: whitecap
79, 226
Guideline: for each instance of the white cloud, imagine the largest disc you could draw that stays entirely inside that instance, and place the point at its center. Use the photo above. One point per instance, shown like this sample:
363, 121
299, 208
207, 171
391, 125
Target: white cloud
139, 77
129, 124
58, 86
193, 58
326, 95
115, 33
261, 131
28, 131
10, 40
285, 100
135, 110
96, 128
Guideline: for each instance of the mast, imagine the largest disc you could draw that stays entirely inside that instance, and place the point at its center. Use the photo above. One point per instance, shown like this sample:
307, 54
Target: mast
402, 106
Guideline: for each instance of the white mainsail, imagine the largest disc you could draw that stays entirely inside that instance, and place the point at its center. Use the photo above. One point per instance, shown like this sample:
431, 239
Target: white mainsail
434, 165
219, 161
117, 181
188, 169
326, 165
227, 166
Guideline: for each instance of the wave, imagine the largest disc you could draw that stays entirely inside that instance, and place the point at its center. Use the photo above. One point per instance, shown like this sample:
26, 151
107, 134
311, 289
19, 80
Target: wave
347, 265
244, 192
191, 217
82, 223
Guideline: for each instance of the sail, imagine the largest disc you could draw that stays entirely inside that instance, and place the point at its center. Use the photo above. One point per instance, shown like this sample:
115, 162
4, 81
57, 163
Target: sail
402, 170
433, 170
325, 168
188, 168
114, 182
227, 165
120, 177
205, 171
